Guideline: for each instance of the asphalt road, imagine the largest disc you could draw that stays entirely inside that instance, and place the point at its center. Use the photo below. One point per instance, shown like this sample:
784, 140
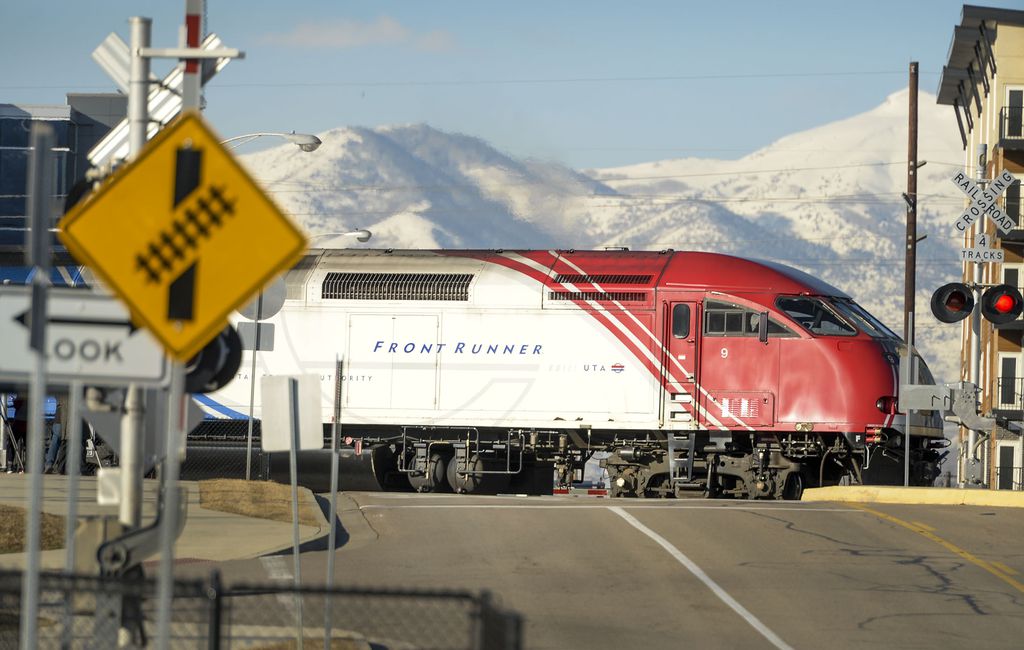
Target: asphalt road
599, 573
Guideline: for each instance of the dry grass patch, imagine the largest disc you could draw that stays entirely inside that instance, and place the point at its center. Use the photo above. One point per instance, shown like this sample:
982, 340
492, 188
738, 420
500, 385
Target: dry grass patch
263, 499
12, 530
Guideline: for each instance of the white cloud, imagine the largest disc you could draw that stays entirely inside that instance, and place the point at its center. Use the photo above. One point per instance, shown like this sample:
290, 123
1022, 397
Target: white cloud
347, 34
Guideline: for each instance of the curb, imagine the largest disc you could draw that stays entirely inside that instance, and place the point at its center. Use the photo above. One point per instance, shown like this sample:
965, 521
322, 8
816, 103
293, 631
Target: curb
916, 495
305, 494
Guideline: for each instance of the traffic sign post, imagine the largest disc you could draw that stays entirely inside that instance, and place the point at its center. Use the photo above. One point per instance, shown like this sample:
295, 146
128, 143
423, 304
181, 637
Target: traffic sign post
89, 338
197, 237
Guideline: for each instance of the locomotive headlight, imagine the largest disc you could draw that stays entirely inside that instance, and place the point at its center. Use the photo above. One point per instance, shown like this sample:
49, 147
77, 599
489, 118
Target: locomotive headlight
805, 427
886, 404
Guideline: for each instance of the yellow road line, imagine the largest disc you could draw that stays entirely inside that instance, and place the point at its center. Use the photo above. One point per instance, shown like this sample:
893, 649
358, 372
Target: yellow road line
991, 567
1002, 567
922, 526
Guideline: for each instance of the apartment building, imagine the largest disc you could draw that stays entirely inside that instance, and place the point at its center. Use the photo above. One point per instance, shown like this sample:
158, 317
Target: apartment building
983, 81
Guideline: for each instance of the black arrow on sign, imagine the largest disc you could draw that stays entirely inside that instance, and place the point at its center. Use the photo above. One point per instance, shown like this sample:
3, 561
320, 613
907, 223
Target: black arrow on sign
182, 291
25, 316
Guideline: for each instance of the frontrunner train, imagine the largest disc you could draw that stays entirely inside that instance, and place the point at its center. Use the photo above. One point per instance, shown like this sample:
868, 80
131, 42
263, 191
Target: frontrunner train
495, 371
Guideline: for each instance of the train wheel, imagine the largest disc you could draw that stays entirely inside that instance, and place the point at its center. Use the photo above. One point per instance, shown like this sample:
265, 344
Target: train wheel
624, 483
794, 487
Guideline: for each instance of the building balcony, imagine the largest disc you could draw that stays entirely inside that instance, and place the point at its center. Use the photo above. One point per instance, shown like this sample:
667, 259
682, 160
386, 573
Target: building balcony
1008, 401
1008, 478
1011, 127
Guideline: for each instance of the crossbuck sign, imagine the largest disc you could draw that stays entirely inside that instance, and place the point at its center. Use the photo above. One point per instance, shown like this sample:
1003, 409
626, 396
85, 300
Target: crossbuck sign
983, 201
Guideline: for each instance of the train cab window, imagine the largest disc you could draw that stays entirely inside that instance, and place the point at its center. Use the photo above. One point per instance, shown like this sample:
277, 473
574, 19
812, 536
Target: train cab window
863, 319
815, 316
680, 320
727, 319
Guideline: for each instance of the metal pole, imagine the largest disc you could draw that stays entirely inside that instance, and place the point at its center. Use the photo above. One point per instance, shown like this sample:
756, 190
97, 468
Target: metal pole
978, 228
335, 426
293, 412
130, 513
192, 83
176, 417
910, 412
40, 191
176, 397
74, 470
252, 386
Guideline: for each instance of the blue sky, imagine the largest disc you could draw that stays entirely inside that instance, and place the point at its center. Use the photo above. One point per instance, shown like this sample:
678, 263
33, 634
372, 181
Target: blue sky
589, 84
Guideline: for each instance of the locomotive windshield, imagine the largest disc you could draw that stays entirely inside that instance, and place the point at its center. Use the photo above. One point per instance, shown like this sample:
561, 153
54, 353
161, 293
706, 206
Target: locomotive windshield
863, 319
815, 315
833, 317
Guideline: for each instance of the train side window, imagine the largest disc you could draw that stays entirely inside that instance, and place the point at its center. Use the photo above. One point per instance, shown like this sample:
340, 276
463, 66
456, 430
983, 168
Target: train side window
680, 320
727, 319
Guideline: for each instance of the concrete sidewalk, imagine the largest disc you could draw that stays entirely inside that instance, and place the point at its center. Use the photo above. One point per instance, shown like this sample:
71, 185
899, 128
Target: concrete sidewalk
916, 495
209, 535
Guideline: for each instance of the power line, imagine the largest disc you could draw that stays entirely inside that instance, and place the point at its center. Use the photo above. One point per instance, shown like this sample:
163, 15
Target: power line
558, 80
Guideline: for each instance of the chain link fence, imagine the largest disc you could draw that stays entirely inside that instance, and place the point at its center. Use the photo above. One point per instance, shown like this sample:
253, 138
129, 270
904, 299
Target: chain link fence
91, 612
218, 449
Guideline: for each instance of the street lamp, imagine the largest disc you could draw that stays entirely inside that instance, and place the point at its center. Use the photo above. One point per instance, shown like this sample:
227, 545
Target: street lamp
303, 141
361, 235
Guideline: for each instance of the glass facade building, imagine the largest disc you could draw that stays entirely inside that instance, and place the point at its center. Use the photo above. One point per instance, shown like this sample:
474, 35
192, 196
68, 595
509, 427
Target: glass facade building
78, 125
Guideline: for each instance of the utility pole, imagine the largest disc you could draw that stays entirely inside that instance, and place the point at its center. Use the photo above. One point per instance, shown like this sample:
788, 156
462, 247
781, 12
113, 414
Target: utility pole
910, 282
911, 263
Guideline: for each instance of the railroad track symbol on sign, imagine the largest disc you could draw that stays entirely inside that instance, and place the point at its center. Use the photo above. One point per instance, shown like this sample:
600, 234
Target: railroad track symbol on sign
183, 236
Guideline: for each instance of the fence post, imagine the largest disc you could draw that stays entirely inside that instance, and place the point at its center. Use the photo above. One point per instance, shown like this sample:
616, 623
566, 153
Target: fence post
215, 594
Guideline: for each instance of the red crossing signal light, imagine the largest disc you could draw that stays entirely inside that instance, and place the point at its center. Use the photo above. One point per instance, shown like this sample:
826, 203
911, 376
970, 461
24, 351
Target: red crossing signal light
1001, 304
953, 302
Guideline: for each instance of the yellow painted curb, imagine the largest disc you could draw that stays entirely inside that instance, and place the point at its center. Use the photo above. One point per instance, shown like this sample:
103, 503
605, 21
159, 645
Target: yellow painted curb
916, 495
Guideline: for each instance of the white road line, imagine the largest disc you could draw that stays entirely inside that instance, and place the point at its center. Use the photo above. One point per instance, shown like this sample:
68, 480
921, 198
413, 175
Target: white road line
703, 577
509, 506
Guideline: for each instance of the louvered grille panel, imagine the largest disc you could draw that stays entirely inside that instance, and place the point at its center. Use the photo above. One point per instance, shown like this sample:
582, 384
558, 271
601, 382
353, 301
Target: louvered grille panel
599, 296
602, 278
397, 286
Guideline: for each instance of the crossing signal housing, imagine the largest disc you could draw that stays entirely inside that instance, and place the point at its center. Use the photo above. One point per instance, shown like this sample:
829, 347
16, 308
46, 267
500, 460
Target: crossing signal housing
1001, 304
953, 302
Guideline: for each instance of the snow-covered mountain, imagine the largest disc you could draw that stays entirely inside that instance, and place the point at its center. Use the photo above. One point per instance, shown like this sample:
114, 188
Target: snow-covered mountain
827, 200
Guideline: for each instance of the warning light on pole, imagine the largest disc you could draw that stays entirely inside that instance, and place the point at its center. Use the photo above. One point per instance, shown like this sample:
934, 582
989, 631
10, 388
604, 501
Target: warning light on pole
952, 302
1001, 304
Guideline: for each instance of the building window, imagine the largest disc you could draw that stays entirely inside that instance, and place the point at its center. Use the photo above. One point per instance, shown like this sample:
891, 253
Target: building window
1011, 204
1008, 390
1014, 126
1011, 275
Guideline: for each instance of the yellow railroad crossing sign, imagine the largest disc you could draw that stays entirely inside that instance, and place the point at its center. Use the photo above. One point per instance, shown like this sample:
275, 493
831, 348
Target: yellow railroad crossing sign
183, 235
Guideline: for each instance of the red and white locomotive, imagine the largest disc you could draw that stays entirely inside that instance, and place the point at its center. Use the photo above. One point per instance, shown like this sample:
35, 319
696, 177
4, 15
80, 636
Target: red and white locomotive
469, 370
